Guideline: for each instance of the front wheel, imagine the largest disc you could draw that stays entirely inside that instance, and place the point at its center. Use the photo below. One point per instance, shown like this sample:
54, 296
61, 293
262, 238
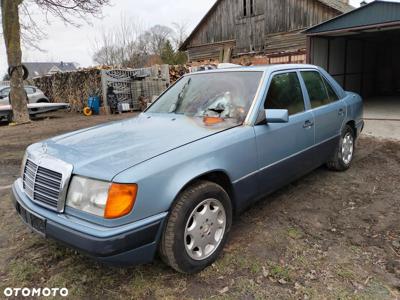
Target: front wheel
197, 227
344, 153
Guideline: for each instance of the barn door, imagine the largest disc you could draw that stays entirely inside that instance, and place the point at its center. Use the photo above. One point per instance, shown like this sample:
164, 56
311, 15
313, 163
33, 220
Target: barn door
249, 27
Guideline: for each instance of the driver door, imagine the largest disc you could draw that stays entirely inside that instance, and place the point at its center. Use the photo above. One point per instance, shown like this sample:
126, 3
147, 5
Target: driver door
283, 148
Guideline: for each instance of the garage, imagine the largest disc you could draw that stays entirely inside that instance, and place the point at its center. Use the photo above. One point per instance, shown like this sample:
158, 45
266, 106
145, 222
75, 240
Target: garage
361, 50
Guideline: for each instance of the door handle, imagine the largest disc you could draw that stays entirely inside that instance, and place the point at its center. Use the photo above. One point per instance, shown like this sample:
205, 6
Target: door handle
341, 112
308, 124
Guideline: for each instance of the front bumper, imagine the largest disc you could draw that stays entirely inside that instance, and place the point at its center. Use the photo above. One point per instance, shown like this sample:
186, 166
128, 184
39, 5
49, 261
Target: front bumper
135, 243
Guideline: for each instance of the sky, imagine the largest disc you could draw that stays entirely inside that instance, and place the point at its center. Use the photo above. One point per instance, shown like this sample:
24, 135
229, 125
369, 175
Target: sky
70, 44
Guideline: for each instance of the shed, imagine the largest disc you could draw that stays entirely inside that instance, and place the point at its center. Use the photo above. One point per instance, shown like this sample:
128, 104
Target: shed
268, 28
361, 50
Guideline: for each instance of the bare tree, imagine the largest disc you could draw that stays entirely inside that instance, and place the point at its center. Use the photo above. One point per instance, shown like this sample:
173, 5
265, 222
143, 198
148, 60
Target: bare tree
67, 10
156, 38
129, 45
121, 46
180, 34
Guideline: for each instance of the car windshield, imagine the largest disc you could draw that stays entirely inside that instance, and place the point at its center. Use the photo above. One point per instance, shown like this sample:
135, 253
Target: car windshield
224, 95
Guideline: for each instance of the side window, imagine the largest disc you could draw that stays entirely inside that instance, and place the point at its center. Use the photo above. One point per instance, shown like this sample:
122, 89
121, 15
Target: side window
5, 92
331, 92
316, 88
29, 90
285, 93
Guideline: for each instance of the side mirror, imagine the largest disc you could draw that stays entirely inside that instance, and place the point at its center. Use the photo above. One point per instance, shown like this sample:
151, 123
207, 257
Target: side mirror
277, 115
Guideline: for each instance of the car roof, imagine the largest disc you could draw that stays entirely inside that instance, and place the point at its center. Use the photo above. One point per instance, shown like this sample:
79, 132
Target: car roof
25, 86
262, 68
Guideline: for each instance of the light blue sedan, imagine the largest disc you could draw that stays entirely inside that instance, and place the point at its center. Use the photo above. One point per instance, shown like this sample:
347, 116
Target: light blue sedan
171, 179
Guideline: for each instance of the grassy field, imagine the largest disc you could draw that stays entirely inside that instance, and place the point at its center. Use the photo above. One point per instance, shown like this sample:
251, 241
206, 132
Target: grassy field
327, 236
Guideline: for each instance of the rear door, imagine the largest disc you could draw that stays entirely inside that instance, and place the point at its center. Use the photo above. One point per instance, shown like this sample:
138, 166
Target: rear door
328, 109
283, 148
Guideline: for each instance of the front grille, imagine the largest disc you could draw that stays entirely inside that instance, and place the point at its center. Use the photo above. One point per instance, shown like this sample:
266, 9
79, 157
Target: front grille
41, 184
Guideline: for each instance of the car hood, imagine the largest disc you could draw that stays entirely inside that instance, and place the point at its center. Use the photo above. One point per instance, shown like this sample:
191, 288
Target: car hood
104, 151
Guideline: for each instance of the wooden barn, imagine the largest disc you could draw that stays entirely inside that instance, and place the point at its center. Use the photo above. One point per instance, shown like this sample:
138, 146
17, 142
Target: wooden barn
262, 31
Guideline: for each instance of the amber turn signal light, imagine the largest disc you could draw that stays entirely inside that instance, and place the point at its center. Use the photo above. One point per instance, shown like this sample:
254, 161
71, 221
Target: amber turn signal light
121, 199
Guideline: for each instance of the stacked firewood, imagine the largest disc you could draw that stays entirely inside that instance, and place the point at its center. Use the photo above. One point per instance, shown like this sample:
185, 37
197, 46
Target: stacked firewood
176, 72
71, 87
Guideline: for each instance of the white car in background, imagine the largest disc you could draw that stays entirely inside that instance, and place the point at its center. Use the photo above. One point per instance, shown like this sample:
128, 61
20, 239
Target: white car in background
34, 95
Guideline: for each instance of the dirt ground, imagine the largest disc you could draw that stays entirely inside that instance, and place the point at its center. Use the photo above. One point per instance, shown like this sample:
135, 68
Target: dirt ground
327, 236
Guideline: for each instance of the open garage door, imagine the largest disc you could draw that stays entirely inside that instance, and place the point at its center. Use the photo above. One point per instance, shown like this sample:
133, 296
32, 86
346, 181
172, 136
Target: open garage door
361, 50
366, 63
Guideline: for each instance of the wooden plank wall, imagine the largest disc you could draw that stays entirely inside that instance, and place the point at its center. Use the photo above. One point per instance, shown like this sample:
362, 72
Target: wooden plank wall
270, 16
285, 42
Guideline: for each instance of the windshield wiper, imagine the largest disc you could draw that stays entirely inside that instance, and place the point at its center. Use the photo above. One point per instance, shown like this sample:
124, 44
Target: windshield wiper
181, 97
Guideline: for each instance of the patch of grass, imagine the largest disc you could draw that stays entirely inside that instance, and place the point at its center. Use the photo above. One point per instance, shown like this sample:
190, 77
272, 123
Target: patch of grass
23, 271
302, 260
245, 287
355, 249
295, 233
345, 273
233, 261
377, 290
280, 272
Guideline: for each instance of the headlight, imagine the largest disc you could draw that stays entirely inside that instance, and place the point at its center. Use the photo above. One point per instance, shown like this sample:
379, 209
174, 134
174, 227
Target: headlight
104, 199
88, 195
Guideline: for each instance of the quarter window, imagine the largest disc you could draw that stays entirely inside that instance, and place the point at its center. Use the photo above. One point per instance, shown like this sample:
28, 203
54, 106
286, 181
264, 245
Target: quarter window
316, 88
29, 90
331, 92
285, 93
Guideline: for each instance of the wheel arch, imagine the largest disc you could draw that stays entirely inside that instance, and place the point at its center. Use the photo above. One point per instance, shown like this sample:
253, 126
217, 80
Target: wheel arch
219, 177
352, 124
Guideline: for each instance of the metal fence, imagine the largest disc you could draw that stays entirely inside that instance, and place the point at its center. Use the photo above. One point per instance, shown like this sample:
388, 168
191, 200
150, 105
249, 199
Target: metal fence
132, 84
4, 83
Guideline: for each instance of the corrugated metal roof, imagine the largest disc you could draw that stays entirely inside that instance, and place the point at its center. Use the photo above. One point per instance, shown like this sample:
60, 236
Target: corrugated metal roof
375, 13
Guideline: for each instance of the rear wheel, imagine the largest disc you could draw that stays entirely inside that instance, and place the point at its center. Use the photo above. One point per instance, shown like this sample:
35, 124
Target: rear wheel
344, 153
197, 228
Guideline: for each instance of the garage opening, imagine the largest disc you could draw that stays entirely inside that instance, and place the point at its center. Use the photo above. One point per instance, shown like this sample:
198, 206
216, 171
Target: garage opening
361, 50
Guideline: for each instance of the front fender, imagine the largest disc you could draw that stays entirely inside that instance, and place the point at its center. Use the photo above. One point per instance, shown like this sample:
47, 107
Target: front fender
162, 178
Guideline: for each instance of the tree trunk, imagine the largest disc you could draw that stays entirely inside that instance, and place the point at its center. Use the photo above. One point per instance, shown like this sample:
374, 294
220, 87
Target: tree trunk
12, 38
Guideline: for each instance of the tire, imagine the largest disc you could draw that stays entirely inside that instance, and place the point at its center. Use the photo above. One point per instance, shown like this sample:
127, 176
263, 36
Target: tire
344, 152
199, 211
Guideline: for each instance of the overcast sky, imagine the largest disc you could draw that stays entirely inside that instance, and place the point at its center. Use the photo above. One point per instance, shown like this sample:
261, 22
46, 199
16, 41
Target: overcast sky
71, 44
